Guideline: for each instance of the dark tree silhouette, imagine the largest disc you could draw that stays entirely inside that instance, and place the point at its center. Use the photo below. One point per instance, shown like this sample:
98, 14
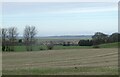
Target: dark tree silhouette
85, 43
99, 38
12, 37
115, 37
4, 36
29, 37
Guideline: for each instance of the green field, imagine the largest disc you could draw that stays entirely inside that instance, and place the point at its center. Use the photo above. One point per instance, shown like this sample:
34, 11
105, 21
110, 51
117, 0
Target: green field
62, 60
38, 48
43, 47
102, 61
110, 45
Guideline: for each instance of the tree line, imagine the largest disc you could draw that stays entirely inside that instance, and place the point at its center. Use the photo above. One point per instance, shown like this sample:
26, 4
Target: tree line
100, 38
10, 39
10, 36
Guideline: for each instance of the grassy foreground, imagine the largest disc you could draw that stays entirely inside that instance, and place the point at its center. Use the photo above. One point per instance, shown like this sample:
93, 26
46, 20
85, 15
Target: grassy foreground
63, 71
102, 61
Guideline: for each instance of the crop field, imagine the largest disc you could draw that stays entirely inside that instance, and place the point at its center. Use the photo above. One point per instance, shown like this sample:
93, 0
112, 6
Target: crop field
101, 61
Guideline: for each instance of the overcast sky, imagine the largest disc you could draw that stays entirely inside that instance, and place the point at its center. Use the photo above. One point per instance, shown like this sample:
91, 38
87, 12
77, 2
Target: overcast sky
59, 0
75, 18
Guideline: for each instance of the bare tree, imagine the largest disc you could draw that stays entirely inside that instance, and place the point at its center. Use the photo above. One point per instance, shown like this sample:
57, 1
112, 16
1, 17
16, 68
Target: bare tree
1, 37
0, 32
12, 36
29, 37
4, 37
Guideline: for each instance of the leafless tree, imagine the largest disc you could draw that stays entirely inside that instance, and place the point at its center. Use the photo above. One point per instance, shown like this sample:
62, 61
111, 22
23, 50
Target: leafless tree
4, 35
0, 36
12, 37
29, 37
0, 32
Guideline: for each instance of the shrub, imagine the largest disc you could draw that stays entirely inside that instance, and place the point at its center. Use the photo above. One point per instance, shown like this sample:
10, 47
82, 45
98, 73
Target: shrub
41, 48
50, 47
66, 43
85, 43
96, 46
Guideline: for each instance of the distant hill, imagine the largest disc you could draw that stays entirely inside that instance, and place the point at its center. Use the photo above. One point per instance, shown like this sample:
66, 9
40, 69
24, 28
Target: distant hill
64, 37
68, 37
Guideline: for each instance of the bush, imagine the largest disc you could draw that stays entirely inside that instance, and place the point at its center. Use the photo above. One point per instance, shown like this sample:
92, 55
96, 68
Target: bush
85, 43
66, 44
41, 48
96, 46
50, 47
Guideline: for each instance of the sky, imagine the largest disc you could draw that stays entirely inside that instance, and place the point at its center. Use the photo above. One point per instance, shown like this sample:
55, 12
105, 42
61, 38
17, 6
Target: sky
59, 1
62, 18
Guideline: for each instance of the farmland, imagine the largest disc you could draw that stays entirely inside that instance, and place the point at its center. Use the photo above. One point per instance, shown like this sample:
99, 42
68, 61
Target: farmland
102, 61
59, 38
60, 47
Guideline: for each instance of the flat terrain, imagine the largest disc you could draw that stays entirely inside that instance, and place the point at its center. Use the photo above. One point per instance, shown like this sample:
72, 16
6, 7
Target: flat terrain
60, 47
69, 61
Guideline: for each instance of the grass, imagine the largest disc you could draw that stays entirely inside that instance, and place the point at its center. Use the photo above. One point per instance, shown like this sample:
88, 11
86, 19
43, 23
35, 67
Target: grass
72, 47
66, 60
110, 45
42, 47
87, 61
59, 47
64, 71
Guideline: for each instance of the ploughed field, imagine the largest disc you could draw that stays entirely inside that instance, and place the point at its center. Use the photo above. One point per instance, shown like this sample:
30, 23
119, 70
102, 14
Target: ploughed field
102, 61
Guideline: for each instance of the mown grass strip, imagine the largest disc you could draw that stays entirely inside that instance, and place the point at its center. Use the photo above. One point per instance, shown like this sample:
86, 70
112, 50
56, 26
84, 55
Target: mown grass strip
52, 71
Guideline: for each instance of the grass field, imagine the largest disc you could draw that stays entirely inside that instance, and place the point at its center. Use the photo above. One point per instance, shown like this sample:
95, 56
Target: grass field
59, 47
110, 45
101, 61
